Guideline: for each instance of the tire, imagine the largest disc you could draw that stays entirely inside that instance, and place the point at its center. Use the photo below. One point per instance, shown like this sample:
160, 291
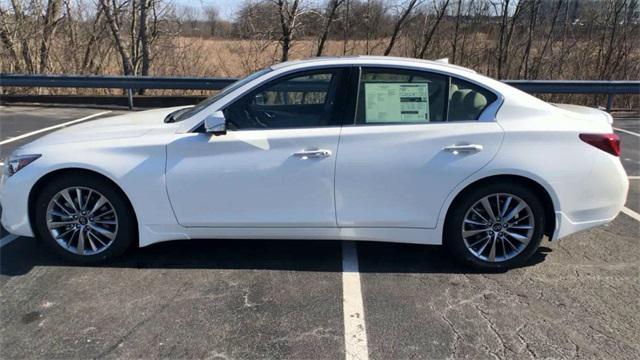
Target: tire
106, 236
465, 233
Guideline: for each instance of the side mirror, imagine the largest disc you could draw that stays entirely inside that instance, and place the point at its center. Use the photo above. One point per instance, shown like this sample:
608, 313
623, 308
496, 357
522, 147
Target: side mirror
216, 124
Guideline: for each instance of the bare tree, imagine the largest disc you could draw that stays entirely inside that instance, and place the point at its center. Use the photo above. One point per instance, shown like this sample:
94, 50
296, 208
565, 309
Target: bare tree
533, 8
143, 36
454, 47
7, 39
112, 20
50, 23
20, 18
537, 64
427, 35
346, 20
507, 25
213, 19
612, 46
288, 14
404, 14
329, 16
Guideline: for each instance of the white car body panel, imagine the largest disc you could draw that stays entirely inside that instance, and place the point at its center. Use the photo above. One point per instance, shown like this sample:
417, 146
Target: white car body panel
251, 178
136, 164
412, 171
244, 185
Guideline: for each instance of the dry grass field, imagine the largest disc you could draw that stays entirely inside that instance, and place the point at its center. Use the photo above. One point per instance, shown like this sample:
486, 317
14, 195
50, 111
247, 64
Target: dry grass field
203, 57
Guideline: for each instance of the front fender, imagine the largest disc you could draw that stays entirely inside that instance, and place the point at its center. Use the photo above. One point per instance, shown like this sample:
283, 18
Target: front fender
138, 169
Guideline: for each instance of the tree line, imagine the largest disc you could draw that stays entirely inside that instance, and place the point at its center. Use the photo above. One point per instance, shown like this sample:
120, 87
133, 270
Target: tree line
516, 39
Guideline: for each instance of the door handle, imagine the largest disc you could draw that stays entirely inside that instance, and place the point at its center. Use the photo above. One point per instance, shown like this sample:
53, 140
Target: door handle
269, 115
466, 148
312, 154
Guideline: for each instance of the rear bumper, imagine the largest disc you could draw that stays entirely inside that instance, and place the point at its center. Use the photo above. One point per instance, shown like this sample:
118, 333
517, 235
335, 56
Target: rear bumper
565, 227
596, 203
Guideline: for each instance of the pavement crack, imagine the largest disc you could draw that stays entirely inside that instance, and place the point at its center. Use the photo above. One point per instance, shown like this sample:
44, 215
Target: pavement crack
319, 332
577, 349
525, 342
247, 303
456, 334
493, 329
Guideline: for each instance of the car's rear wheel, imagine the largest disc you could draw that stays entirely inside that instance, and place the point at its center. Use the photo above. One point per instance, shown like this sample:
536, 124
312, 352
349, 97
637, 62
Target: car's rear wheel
499, 225
84, 219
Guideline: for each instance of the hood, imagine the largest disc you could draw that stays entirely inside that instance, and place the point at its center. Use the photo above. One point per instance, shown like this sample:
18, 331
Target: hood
129, 125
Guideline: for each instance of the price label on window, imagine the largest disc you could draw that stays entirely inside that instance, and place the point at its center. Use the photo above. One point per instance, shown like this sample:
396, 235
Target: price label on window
396, 103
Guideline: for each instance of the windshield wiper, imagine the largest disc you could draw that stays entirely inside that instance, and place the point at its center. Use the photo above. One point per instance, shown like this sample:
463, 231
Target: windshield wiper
175, 115
170, 118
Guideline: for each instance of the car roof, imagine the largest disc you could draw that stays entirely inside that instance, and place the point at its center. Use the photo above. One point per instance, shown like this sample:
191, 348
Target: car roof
410, 63
504, 91
371, 60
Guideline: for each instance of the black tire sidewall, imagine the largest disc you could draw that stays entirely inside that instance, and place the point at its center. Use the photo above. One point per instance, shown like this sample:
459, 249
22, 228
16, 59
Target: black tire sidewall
127, 226
453, 234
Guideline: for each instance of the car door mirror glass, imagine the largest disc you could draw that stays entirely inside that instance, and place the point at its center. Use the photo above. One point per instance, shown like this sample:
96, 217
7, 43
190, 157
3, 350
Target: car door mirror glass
216, 123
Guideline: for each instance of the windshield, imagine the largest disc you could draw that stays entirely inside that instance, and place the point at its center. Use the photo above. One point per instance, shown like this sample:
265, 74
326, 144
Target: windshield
188, 112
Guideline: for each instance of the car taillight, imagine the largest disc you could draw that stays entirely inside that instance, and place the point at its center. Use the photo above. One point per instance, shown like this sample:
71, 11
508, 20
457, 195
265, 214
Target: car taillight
605, 142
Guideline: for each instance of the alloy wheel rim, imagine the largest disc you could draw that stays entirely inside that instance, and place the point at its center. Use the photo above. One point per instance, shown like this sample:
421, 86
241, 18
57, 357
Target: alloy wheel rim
82, 220
498, 227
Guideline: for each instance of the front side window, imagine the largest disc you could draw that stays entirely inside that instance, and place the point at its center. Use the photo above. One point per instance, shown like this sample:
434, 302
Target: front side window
183, 114
295, 101
467, 101
395, 96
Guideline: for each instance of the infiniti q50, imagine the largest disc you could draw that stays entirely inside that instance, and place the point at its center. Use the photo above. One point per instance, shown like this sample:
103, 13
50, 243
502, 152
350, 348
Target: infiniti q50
355, 148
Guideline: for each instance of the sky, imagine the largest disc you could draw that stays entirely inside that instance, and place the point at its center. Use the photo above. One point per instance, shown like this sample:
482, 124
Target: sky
227, 8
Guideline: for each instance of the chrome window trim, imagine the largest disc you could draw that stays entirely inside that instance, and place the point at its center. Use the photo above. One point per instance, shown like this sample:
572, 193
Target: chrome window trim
488, 115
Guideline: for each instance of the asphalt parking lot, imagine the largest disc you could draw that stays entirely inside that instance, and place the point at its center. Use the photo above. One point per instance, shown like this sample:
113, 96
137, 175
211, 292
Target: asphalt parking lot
224, 299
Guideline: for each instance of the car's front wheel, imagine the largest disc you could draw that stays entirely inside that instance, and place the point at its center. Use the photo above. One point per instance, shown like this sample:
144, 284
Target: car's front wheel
84, 218
496, 226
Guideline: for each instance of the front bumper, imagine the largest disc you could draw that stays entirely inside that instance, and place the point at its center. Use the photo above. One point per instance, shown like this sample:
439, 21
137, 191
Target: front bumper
14, 201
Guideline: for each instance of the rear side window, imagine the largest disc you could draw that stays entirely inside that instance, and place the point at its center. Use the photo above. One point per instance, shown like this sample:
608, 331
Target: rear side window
395, 96
467, 101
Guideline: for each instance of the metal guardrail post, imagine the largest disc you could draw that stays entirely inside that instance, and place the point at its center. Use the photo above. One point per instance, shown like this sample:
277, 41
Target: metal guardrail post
130, 98
609, 102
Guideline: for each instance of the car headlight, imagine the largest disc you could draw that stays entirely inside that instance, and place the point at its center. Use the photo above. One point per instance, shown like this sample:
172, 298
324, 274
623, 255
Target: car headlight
16, 162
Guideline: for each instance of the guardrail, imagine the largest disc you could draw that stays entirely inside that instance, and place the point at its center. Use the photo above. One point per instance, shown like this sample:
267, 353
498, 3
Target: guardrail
131, 83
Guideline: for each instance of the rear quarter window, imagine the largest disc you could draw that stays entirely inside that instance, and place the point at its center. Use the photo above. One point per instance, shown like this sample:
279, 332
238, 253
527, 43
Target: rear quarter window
467, 101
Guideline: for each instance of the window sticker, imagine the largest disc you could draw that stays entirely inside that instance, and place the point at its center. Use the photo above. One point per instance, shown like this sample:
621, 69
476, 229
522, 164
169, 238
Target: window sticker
397, 102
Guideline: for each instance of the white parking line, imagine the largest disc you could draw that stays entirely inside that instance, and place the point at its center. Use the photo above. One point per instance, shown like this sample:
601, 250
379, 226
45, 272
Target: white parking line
355, 332
52, 127
631, 213
626, 131
7, 239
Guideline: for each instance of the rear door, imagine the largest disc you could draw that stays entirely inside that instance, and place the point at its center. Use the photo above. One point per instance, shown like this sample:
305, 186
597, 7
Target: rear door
410, 145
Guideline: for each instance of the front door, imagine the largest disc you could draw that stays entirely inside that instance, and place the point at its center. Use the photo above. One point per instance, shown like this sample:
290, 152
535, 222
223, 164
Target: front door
273, 168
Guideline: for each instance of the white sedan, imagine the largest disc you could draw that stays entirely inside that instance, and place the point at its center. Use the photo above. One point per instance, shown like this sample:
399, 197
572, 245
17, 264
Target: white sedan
356, 148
